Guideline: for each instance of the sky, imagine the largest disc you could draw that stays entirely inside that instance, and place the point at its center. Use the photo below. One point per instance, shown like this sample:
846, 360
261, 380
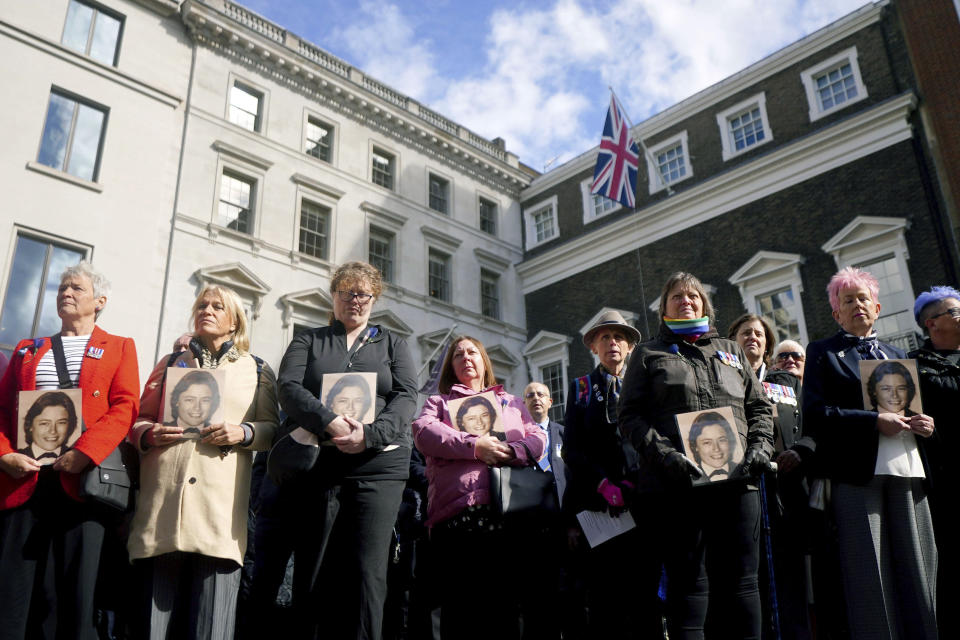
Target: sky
537, 73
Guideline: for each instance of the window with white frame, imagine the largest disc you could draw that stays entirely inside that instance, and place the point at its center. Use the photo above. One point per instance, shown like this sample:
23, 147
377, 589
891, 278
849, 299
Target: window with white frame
319, 143
595, 206
30, 304
770, 286
670, 162
489, 294
833, 84
246, 106
541, 222
780, 309
548, 359
382, 168
878, 244
73, 135
314, 229
235, 209
552, 377
439, 193
488, 216
896, 317
381, 252
93, 31
438, 285
744, 126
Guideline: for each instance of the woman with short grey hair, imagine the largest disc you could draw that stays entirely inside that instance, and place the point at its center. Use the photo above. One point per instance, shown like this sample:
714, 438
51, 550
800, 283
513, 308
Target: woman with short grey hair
41, 510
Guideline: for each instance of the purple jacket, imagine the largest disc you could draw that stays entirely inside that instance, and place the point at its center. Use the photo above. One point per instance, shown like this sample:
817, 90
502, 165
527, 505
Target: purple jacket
456, 479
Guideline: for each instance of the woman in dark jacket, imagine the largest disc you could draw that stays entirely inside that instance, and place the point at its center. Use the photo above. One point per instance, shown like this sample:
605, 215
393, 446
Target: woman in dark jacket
710, 533
350, 499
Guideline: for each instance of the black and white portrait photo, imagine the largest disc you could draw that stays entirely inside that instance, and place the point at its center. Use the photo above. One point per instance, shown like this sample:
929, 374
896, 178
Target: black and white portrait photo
711, 441
50, 423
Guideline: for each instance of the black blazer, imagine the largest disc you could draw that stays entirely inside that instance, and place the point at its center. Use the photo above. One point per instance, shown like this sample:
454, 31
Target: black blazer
833, 413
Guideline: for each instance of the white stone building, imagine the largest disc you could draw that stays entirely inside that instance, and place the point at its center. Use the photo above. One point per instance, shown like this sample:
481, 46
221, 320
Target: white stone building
255, 159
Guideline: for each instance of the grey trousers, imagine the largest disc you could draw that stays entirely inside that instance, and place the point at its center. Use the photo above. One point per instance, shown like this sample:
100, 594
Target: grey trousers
193, 597
888, 558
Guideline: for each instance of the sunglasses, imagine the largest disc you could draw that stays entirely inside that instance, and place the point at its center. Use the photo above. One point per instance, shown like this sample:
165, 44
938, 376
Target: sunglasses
536, 394
953, 311
362, 298
796, 355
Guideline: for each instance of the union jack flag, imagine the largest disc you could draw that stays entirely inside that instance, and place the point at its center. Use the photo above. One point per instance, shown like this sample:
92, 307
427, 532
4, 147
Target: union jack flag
616, 174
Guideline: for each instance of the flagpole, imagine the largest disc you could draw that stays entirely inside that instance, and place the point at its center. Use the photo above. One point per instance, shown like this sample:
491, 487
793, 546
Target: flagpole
436, 348
646, 152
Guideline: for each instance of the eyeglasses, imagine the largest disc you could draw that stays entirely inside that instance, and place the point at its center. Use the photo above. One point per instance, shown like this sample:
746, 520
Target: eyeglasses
796, 355
347, 296
536, 394
953, 311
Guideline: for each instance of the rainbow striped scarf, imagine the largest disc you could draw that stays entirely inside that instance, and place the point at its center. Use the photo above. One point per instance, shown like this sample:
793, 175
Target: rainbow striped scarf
689, 327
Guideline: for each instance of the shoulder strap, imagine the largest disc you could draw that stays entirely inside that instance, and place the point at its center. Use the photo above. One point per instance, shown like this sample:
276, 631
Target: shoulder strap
61, 362
259, 362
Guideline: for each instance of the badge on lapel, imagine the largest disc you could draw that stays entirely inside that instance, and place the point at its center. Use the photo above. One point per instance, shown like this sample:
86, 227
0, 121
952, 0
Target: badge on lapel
95, 352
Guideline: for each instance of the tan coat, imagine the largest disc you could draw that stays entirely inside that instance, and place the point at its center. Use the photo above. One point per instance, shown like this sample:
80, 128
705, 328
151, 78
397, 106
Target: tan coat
192, 499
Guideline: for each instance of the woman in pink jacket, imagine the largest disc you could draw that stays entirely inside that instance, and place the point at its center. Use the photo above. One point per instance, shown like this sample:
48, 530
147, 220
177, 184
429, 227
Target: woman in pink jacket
481, 562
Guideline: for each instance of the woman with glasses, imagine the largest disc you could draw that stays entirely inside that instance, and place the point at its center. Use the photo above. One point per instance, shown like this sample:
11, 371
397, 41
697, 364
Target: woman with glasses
350, 498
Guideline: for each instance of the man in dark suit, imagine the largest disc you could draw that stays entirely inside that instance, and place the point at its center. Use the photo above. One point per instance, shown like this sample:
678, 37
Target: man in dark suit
546, 610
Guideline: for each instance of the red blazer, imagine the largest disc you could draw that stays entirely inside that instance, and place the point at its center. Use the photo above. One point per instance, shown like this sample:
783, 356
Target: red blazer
111, 402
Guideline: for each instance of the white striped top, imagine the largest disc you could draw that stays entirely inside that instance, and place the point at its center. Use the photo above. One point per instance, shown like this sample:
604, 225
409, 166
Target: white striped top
73, 349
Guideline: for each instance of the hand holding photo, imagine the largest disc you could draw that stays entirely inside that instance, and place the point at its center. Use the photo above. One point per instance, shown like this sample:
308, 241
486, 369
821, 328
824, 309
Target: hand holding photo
890, 386
351, 395
477, 415
192, 400
51, 424
711, 441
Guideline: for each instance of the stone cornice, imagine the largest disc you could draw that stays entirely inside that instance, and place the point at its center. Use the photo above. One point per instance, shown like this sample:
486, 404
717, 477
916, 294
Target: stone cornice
258, 43
841, 143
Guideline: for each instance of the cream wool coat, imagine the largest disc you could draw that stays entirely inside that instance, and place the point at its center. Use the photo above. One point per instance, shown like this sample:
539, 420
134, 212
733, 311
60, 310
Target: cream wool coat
190, 498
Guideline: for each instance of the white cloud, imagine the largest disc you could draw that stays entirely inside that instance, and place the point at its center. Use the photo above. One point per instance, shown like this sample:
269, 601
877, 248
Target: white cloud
385, 45
541, 81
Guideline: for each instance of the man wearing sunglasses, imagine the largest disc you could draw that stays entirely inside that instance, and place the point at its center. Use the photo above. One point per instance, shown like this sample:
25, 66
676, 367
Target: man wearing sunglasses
937, 311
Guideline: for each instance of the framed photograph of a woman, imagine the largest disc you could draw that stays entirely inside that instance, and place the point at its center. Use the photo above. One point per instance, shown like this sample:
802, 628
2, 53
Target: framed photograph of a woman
193, 399
477, 414
710, 440
351, 395
890, 386
50, 423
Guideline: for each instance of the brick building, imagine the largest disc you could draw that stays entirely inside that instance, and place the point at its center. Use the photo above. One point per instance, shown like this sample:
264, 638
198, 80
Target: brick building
763, 185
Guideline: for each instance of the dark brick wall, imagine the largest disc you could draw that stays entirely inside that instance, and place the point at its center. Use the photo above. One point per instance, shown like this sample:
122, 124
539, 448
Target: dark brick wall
799, 219
885, 70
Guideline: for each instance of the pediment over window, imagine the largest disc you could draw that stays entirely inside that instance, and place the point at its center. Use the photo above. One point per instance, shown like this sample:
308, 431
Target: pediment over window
239, 278
233, 275
392, 322
765, 264
865, 236
502, 358
546, 341
430, 341
313, 304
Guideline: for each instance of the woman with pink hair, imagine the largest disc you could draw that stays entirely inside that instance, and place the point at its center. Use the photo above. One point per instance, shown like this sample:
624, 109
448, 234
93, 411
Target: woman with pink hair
888, 558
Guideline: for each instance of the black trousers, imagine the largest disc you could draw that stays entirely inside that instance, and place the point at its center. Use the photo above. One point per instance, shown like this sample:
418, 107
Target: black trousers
712, 555
340, 581
479, 572
623, 575
49, 559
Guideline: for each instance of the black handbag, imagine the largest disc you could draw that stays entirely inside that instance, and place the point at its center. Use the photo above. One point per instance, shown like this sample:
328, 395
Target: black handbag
522, 490
113, 481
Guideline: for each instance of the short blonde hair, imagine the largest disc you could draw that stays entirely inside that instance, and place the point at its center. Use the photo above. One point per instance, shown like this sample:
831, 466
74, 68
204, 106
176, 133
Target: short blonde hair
234, 307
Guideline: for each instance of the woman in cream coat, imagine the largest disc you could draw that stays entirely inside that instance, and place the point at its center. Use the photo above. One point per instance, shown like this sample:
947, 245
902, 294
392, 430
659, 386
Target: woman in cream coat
190, 527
